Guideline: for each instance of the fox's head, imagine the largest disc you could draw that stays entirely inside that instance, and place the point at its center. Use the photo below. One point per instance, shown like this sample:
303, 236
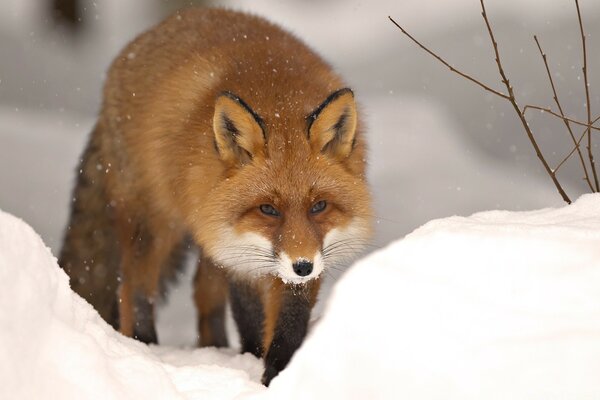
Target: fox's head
294, 200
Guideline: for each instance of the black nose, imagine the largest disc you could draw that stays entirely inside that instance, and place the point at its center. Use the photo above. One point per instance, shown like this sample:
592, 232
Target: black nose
303, 268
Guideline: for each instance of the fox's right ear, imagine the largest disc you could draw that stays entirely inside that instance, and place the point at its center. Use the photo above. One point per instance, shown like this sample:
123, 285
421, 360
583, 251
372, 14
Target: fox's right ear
239, 133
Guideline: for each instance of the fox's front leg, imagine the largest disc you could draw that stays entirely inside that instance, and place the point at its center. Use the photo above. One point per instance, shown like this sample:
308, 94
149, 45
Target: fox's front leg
287, 313
144, 251
248, 313
210, 295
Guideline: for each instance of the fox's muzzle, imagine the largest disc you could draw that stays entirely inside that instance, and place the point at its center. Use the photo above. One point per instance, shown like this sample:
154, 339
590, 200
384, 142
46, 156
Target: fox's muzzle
303, 267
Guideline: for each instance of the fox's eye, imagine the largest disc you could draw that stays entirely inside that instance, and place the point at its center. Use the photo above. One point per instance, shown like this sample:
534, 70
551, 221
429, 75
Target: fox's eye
268, 209
318, 207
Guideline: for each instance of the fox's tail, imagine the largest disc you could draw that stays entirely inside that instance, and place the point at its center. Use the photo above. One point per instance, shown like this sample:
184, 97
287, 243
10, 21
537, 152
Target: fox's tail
90, 253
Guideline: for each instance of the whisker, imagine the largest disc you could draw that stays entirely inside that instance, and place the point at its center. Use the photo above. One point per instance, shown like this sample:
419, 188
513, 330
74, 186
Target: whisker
348, 241
249, 255
259, 248
342, 250
329, 274
245, 253
246, 262
342, 247
338, 269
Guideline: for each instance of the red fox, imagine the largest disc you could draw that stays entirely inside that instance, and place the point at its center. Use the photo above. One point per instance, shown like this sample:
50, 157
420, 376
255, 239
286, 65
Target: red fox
221, 130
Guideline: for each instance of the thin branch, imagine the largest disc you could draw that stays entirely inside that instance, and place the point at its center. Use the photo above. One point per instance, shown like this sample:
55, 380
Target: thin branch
577, 143
520, 113
549, 111
562, 114
440, 59
587, 98
569, 156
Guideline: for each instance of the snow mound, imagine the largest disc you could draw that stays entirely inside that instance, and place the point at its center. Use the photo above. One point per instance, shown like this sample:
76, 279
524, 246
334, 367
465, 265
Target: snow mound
496, 305
55, 345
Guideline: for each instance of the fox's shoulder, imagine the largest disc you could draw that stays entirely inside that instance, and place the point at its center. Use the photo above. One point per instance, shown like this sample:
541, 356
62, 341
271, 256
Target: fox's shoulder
197, 30
204, 51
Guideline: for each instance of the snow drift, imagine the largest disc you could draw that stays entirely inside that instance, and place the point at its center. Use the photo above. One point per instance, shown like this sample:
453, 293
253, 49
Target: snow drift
496, 305
54, 345
500, 305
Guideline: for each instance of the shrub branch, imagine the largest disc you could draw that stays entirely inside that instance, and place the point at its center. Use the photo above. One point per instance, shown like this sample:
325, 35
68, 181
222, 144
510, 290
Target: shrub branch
565, 120
511, 98
587, 97
577, 146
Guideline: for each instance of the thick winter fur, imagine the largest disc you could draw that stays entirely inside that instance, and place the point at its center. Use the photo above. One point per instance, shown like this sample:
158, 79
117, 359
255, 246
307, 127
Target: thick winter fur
207, 119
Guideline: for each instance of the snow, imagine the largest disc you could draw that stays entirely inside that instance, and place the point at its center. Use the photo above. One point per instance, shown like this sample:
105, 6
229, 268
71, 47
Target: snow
55, 345
438, 147
500, 304
496, 305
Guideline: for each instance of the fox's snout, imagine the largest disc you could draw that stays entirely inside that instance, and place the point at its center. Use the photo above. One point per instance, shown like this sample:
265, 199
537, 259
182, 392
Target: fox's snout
299, 269
298, 260
303, 267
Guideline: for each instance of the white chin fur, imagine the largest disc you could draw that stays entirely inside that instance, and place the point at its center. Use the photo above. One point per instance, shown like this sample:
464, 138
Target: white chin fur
286, 270
341, 245
245, 254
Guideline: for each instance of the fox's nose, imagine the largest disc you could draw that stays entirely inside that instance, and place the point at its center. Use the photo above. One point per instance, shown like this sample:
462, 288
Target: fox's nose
303, 267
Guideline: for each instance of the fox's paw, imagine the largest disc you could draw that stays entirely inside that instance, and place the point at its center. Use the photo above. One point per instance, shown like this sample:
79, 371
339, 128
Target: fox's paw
270, 373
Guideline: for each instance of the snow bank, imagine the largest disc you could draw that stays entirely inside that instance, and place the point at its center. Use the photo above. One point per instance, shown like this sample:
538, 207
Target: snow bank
54, 345
497, 305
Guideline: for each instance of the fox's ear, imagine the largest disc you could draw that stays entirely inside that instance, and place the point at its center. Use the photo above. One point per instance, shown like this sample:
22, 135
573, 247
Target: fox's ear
239, 133
332, 126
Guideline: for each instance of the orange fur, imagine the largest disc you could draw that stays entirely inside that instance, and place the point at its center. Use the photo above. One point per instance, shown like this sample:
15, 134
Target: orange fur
205, 118
272, 291
210, 296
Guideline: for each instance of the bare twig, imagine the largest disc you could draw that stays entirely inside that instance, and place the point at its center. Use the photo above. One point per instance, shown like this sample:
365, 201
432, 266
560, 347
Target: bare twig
562, 114
440, 59
549, 111
587, 97
577, 143
521, 113
511, 98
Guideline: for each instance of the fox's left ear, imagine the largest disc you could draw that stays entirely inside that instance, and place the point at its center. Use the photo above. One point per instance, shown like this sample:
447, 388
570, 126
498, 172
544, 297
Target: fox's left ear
332, 126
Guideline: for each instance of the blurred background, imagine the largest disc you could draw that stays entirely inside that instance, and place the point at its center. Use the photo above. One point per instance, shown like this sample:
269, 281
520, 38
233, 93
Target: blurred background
439, 145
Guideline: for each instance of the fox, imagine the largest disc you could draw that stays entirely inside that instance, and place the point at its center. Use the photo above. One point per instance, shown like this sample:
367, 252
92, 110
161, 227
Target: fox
221, 131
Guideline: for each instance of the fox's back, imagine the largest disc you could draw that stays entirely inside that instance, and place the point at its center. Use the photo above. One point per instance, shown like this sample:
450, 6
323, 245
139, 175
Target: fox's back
200, 52
218, 32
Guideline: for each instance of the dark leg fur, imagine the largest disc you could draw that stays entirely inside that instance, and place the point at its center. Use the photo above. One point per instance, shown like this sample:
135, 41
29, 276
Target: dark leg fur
175, 265
143, 329
290, 330
248, 313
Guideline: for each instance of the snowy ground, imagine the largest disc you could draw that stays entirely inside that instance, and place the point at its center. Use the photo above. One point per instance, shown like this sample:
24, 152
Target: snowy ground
496, 305
499, 305
438, 147
55, 345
